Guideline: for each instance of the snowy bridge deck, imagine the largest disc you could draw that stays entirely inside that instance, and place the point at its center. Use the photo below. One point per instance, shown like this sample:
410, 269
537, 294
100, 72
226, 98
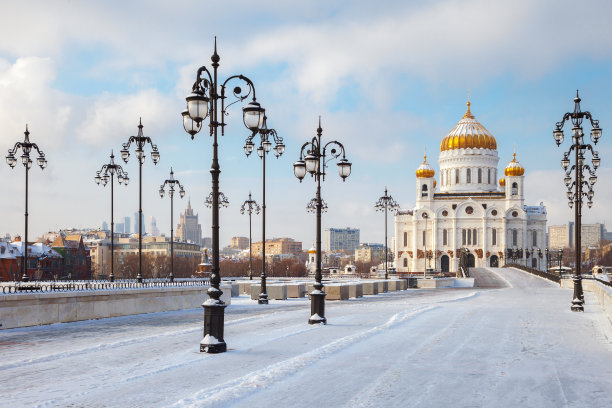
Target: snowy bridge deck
506, 347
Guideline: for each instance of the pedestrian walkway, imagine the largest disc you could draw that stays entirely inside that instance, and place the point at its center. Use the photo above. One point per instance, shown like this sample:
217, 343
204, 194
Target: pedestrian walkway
519, 345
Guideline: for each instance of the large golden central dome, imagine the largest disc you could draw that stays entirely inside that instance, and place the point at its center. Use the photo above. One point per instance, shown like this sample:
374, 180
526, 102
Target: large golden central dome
468, 134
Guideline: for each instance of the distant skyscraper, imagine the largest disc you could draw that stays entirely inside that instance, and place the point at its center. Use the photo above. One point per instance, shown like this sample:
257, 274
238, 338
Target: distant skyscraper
207, 242
189, 229
338, 239
126, 225
154, 229
119, 228
136, 230
104, 226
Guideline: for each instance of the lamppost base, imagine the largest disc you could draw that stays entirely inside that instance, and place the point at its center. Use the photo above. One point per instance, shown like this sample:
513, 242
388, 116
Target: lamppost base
577, 305
111, 277
139, 278
171, 278
25, 278
317, 307
263, 299
214, 321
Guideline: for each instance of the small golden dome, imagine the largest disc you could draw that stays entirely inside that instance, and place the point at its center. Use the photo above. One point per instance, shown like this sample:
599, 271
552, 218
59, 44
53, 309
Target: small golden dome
468, 134
425, 169
514, 168
502, 182
435, 184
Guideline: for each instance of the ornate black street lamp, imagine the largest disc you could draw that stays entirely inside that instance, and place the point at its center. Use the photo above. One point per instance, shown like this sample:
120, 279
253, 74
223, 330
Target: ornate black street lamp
539, 256
547, 254
140, 142
26, 147
108, 172
560, 259
171, 182
202, 103
265, 145
386, 203
250, 206
312, 160
578, 182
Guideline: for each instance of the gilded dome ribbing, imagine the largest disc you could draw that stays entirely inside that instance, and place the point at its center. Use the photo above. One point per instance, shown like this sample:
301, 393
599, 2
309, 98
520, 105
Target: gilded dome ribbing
425, 170
514, 168
502, 182
468, 134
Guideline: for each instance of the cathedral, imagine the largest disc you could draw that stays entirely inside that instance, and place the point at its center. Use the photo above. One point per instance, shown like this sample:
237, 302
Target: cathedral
469, 209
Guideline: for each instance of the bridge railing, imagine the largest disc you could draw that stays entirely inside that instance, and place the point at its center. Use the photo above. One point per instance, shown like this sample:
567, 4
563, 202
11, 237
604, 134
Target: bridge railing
53, 286
547, 275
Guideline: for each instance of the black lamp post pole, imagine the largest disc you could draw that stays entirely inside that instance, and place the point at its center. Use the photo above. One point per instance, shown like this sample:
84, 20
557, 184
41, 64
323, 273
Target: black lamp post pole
312, 160
108, 171
262, 151
203, 103
140, 141
384, 203
171, 182
26, 147
249, 206
577, 196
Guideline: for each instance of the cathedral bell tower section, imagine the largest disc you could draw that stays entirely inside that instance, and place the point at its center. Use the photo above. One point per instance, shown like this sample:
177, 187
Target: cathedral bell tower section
425, 183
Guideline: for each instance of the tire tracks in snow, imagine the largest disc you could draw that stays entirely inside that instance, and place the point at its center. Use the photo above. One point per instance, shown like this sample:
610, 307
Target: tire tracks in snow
252, 382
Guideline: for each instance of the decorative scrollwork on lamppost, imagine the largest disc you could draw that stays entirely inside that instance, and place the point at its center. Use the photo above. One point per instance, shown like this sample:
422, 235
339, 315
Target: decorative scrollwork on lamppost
267, 136
206, 93
250, 206
171, 182
106, 173
222, 200
576, 184
26, 147
311, 207
313, 160
386, 203
140, 141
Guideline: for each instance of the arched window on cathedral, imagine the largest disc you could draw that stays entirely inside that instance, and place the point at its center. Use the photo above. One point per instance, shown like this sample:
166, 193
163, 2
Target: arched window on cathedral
463, 237
514, 237
469, 176
405, 262
405, 239
493, 236
456, 176
469, 237
489, 176
535, 238
514, 188
474, 236
444, 237
479, 176
424, 190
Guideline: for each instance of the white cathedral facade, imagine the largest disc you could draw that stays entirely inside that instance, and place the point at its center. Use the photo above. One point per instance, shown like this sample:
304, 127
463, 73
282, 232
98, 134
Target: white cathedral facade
469, 209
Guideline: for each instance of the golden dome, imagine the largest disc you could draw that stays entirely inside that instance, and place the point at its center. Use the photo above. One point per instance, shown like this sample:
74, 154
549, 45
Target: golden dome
514, 168
435, 183
468, 134
425, 169
502, 182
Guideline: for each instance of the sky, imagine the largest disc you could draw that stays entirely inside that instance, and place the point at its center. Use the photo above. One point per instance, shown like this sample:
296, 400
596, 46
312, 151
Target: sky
388, 79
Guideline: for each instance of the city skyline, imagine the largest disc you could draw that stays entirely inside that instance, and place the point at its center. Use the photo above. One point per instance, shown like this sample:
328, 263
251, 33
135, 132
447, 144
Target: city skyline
388, 82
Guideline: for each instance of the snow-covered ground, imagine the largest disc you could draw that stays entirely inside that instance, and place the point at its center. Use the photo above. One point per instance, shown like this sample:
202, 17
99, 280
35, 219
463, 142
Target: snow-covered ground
514, 346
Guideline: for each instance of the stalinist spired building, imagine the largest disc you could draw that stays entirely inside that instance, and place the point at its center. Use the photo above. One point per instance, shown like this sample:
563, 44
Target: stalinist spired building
189, 229
469, 208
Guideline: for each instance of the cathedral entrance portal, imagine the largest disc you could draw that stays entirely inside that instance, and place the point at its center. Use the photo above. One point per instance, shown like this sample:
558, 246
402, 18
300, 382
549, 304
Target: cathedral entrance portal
494, 261
471, 261
444, 263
